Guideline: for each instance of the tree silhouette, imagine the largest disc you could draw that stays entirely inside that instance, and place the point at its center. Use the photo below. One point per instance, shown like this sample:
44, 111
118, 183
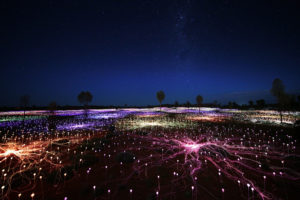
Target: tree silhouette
250, 103
188, 104
176, 104
278, 91
230, 104
52, 118
215, 103
199, 100
24, 102
260, 103
160, 95
235, 105
85, 98
52, 107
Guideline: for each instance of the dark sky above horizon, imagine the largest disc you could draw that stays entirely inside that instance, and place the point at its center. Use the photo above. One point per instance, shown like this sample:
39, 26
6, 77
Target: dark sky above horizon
123, 52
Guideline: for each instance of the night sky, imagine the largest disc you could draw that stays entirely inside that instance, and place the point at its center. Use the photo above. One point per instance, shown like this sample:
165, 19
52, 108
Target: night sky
123, 52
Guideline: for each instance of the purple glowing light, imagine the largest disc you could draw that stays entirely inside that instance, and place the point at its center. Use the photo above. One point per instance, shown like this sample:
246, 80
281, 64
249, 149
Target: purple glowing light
74, 126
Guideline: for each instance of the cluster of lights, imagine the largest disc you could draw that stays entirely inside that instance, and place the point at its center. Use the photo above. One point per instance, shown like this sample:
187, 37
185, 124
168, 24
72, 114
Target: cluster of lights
186, 148
140, 123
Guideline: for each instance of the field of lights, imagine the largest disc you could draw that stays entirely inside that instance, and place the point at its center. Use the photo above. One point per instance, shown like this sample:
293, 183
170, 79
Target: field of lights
180, 153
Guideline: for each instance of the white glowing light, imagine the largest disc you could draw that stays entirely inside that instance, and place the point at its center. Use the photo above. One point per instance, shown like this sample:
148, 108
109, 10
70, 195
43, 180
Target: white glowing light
11, 152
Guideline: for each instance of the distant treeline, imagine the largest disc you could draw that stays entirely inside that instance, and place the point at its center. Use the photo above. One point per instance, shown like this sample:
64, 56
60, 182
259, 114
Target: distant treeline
285, 102
260, 104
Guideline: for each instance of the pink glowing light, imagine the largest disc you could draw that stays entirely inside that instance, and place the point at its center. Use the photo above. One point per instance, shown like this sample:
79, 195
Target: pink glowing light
189, 145
194, 147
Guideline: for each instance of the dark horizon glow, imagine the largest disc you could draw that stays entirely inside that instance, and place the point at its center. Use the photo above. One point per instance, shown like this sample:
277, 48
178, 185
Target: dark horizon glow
124, 52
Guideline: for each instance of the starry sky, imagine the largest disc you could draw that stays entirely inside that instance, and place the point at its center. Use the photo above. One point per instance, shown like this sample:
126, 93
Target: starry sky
123, 52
